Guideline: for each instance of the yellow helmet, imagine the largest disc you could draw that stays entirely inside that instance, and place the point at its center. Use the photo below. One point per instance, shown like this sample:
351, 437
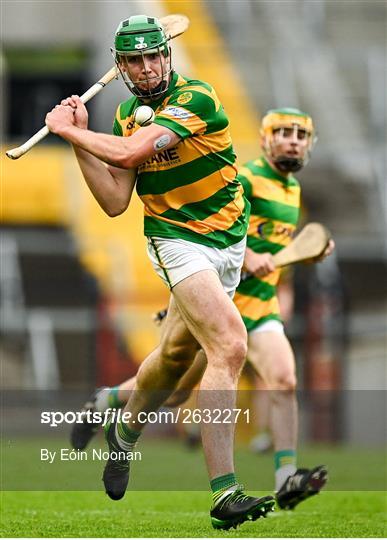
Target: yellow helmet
279, 119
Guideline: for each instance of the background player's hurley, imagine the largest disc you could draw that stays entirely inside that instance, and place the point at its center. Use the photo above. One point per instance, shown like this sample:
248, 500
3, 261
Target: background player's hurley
174, 25
309, 244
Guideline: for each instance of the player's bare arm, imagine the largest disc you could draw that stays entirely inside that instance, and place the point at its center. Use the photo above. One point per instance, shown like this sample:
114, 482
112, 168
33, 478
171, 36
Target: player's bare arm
122, 152
111, 185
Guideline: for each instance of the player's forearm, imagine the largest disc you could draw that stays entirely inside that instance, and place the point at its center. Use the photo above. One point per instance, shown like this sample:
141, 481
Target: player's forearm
249, 254
259, 264
108, 148
109, 194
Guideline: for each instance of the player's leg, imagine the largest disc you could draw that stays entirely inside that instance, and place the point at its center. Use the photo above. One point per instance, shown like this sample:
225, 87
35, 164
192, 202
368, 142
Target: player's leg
196, 303
198, 277
189, 431
262, 441
201, 300
101, 400
189, 380
155, 381
116, 397
272, 356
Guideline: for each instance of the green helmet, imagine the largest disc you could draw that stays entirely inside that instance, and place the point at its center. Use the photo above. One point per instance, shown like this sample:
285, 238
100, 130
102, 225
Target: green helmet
141, 35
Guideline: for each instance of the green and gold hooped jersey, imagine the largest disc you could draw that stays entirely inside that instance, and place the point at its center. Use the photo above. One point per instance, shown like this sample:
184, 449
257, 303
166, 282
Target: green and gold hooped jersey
275, 207
190, 191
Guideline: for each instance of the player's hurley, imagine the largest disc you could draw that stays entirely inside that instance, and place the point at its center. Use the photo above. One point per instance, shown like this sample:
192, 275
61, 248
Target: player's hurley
15, 153
310, 243
173, 25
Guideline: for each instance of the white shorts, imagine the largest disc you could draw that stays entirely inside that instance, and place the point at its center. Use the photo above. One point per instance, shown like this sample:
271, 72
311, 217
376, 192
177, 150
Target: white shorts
175, 259
272, 325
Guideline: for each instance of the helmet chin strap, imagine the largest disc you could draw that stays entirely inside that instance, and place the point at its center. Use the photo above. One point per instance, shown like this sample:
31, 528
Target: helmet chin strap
288, 164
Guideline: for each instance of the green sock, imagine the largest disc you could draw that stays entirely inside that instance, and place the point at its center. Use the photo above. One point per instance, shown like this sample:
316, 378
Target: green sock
114, 401
284, 457
125, 436
285, 465
220, 484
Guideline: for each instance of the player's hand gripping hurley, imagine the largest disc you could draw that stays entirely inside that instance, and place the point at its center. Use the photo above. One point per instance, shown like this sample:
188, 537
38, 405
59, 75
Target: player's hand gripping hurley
310, 243
173, 25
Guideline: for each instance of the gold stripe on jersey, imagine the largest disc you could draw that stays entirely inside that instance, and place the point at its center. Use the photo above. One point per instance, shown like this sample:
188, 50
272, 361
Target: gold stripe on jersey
271, 190
124, 124
193, 123
212, 142
272, 278
215, 222
259, 162
204, 144
254, 308
180, 81
222, 220
206, 92
191, 193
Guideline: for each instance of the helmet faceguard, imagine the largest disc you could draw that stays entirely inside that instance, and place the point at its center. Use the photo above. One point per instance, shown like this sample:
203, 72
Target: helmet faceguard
288, 123
140, 36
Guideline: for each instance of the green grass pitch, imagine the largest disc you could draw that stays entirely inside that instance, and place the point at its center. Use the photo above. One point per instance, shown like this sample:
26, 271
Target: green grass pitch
347, 508
183, 514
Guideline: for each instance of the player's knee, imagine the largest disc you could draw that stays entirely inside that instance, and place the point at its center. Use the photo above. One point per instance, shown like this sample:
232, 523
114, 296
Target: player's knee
234, 354
239, 351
